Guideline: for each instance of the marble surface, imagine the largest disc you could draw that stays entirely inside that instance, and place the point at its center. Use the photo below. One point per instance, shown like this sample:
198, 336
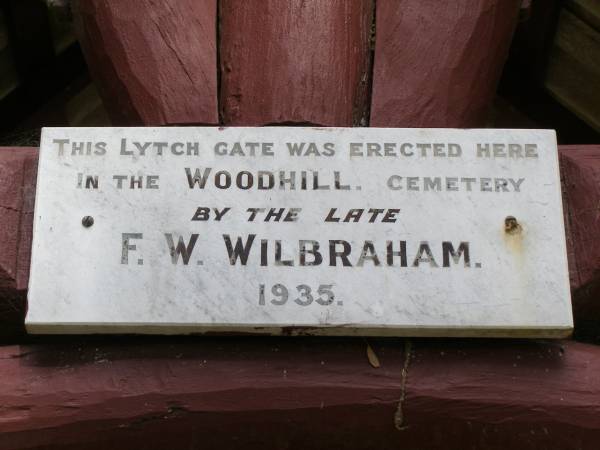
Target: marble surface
364, 231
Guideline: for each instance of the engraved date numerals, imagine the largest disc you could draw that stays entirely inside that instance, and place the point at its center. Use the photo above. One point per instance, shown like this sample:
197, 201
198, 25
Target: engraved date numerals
303, 293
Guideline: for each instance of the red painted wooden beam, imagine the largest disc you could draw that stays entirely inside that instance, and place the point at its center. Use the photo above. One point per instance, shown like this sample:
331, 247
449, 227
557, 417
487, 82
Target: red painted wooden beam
437, 63
580, 171
295, 62
18, 171
154, 62
299, 393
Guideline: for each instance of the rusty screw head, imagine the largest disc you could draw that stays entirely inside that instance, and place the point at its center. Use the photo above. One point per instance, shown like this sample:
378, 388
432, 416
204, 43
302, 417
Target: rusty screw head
511, 225
87, 221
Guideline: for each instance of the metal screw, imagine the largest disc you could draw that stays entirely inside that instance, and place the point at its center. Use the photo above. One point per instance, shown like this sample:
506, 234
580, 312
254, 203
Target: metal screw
511, 225
87, 221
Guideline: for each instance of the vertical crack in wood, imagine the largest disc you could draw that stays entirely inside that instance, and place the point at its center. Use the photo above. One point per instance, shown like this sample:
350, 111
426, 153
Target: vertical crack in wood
371, 67
219, 68
399, 415
23, 170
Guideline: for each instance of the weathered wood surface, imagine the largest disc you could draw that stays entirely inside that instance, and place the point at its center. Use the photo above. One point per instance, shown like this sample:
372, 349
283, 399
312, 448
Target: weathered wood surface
18, 170
580, 172
304, 62
294, 62
437, 64
155, 62
587, 10
299, 393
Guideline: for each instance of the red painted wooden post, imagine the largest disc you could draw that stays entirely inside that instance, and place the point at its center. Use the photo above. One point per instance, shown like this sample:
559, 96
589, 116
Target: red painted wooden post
155, 63
294, 62
437, 63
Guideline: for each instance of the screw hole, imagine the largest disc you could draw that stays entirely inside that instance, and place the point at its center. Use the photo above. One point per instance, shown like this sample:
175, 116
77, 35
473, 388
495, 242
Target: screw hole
87, 221
511, 225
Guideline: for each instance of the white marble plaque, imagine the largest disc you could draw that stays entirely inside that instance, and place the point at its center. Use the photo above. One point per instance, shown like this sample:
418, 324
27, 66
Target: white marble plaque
364, 231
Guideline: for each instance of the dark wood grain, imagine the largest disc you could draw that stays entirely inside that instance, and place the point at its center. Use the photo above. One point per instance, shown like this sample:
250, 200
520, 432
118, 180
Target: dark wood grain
304, 62
299, 393
437, 63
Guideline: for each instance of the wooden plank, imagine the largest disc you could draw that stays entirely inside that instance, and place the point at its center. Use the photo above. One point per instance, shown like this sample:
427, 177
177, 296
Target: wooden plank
30, 36
304, 62
61, 25
529, 48
154, 63
41, 72
85, 108
9, 79
303, 393
586, 10
437, 63
573, 74
523, 77
79, 104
